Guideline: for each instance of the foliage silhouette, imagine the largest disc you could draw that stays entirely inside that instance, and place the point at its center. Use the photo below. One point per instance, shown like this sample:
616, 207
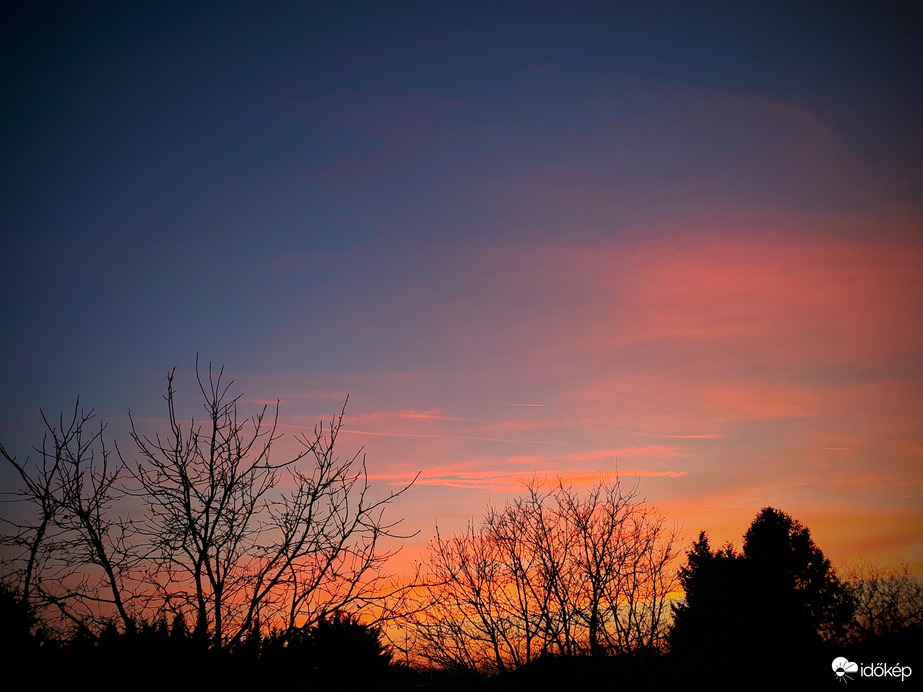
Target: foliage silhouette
718, 611
339, 647
795, 575
17, 621
338, 652
777, 601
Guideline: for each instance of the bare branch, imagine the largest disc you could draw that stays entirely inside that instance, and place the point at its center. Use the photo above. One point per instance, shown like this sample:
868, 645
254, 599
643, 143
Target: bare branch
551, 572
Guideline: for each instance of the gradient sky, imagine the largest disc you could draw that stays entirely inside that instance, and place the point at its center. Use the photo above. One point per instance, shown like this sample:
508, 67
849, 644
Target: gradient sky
683, 241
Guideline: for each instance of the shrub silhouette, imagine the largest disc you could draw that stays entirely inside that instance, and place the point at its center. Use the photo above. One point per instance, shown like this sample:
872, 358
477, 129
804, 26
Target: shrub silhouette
16, 622
339, 651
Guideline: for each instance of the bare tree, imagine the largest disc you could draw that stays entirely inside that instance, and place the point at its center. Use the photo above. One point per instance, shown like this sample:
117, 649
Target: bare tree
74, 555
241, 539
888, 598
552, 572
223, 535
461, 624
621, 557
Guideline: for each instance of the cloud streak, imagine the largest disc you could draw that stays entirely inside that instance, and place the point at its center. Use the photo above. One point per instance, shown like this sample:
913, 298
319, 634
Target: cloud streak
350, 431
497, 480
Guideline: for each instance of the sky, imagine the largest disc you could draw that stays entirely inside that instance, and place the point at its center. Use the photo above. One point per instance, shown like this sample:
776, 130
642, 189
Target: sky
680, 242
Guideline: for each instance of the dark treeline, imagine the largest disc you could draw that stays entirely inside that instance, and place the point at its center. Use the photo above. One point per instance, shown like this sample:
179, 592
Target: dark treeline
203, 562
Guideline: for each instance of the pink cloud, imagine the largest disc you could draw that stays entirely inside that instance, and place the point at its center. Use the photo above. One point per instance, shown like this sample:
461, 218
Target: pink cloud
351, 431
499, 480
426, 415
654, 450
703, 436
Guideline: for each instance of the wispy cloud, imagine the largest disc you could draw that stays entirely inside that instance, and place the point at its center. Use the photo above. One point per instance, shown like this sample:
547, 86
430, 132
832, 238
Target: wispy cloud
705, 436
499, 480
652, 450
348, 431
426, 415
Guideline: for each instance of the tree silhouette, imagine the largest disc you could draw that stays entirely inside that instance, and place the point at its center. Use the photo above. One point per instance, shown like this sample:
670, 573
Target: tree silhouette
719, 607
776, 601
74, 556
554, 572
889, 601
795, 576
229, 536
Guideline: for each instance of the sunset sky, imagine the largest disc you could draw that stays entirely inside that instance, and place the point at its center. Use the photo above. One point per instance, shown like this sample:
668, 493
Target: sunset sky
681, 241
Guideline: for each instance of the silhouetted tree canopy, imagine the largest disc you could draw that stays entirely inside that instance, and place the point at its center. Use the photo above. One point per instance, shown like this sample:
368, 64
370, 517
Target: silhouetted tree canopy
719, 600
777, 600
790, 566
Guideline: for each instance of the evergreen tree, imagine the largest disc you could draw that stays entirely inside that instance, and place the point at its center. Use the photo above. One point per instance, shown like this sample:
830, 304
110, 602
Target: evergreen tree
773, 604
795, 572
